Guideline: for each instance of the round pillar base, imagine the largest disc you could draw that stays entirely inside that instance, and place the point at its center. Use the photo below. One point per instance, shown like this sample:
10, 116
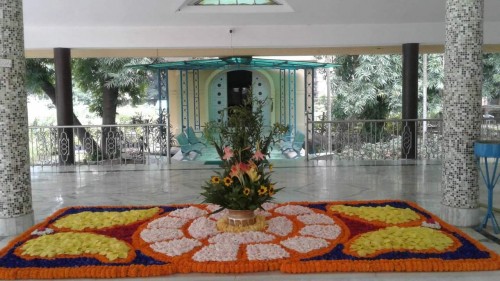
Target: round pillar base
15, 226
461, 217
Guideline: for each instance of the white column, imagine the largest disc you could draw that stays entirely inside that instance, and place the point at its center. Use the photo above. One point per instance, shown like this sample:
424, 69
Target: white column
462, 110
16, 213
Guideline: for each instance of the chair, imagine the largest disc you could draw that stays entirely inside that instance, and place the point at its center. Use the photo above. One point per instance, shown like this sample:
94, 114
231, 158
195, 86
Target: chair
186, 147
296, 144
192, 138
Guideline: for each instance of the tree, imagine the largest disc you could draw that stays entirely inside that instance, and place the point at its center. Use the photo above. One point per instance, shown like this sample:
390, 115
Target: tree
435, 76
109, 82
491, 71
40, 78
367, 87
370, 86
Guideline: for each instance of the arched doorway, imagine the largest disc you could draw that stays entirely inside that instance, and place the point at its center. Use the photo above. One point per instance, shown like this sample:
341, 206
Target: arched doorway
230, 88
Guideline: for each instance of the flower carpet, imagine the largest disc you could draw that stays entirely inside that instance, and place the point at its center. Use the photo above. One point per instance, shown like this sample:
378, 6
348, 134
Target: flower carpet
299, 237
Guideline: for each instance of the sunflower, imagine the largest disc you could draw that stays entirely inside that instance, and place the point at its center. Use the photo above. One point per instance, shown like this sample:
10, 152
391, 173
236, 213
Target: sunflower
271, 190
262, 190
228, 181
215, 180
246, 191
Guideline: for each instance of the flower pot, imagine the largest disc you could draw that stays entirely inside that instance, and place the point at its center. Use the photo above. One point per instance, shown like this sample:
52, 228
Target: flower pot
241, 217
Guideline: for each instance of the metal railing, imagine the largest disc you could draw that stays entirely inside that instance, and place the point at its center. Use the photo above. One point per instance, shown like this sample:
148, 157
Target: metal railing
99, 145
335, 140
392, 139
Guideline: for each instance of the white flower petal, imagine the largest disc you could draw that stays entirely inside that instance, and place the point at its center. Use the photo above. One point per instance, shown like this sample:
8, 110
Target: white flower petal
262, 252
217, 252
330, 232
305, 244
280, 226
269, 206
168, 222
241, 238
176, 247
293, 210
188, 213
316, 219
160, 234
202, 228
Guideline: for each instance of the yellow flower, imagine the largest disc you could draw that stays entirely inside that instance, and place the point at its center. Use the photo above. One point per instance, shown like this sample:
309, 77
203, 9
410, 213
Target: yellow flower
215, 180
76, 244
99, 220
387, 214
246, 191
394, 238
228, 181
262, 190
271, 190
253, 173
270, 167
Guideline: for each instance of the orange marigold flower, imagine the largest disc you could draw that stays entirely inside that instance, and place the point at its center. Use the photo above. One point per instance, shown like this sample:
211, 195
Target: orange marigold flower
228, 181
246, 191
262, 190
215, 179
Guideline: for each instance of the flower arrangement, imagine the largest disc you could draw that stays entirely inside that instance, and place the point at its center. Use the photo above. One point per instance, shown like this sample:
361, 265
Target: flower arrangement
243, 145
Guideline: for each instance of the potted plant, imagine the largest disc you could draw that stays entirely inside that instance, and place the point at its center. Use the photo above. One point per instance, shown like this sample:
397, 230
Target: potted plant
243, 144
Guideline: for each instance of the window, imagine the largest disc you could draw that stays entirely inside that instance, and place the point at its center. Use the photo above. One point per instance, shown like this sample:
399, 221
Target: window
234, 2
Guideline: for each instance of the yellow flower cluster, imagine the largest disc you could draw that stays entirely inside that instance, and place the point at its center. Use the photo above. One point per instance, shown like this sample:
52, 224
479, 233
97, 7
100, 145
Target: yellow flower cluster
76, 244
387, 214
99, 220
401, 238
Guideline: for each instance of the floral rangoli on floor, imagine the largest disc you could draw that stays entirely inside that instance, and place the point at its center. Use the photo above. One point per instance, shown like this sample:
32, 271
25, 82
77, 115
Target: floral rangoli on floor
298, 237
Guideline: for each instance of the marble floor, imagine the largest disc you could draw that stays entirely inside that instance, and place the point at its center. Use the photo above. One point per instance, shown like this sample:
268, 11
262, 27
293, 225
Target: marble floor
137, 184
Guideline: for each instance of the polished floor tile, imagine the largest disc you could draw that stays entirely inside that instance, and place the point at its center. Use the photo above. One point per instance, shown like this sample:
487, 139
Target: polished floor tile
54, 188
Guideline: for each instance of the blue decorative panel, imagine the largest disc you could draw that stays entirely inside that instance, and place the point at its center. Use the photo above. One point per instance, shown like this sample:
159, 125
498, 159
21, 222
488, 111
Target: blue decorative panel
261, 91
184, 98
196, 93
282, 96
218, 100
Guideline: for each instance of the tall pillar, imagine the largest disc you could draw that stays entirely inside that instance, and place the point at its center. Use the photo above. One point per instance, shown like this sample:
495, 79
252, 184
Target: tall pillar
461, 110
410, 100
16, 212
64, 105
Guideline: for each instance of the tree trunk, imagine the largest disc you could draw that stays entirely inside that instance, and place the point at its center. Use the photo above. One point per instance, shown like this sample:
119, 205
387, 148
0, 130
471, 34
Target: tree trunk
110, 137
86, 139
